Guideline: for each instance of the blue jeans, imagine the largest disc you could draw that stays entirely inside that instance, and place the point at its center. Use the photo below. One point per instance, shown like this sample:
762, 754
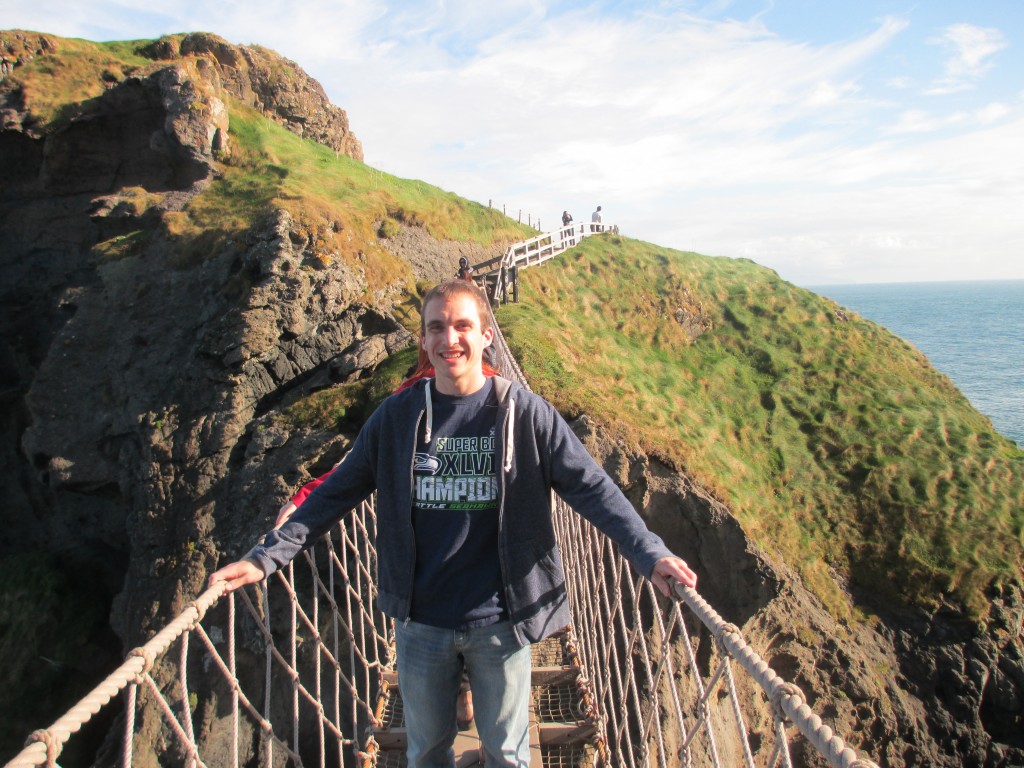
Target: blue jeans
430, 662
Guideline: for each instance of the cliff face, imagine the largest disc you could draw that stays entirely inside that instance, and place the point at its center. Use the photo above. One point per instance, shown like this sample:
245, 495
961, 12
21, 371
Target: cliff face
276, 86
141, 440
256, 77
132, 386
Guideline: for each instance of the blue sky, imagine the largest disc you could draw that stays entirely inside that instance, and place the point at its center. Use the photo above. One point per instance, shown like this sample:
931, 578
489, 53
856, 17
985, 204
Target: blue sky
835, 142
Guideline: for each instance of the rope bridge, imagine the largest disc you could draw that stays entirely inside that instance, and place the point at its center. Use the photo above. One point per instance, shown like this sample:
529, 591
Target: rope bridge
640, 695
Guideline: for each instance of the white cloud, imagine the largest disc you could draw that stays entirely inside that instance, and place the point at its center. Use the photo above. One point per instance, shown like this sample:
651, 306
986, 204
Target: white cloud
993, 112
916, 121
970, 55
901, 83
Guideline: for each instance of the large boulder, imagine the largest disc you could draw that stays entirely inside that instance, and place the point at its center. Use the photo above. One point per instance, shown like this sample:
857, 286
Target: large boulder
276, 86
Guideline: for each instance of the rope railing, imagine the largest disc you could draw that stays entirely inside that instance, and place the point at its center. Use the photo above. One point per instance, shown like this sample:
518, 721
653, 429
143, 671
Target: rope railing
325, 680
650, 710
657, 676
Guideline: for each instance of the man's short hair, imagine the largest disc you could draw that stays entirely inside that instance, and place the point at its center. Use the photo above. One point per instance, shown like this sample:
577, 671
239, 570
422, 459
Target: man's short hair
450, 289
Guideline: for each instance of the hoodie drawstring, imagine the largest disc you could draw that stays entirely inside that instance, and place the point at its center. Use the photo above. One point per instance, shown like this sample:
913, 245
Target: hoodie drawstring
508, 434
430, 415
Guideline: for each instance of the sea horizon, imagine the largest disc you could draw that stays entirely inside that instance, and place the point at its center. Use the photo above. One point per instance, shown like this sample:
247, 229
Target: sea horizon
816, 286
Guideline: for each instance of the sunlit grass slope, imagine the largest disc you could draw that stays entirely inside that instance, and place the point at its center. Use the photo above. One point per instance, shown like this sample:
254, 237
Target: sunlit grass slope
835, 443
341, 205
52, 84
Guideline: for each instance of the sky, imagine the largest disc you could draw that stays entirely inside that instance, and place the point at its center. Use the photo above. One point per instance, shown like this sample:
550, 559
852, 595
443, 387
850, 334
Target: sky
834, 142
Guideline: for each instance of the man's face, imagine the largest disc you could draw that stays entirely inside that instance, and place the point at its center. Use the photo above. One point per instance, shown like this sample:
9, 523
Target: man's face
455, 344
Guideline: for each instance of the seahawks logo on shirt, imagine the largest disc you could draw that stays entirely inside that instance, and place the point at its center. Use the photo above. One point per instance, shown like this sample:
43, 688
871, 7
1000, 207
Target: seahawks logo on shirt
424, 462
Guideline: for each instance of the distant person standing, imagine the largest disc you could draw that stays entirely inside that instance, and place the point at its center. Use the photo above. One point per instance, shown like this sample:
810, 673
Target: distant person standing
465, 271
595, 220
567, 225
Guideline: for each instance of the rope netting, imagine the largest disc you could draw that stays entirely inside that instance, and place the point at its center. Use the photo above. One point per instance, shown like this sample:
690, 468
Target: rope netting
323, 645
656, 693
645, 688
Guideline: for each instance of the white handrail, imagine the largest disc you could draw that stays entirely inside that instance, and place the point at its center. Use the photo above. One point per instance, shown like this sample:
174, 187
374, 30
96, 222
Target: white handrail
547, 245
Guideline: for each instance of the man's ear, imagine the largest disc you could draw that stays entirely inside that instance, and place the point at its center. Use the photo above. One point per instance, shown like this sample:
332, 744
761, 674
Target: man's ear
488, 336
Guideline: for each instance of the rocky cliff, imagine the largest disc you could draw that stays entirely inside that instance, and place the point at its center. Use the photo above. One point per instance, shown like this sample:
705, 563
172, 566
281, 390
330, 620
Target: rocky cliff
143, 438
254, 76
137, 389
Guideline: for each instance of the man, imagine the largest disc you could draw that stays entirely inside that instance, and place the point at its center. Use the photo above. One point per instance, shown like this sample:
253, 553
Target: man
595, 220
467, 561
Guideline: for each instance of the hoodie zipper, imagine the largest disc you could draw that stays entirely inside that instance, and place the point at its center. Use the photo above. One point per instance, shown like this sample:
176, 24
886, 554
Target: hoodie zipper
502, 471
412, 488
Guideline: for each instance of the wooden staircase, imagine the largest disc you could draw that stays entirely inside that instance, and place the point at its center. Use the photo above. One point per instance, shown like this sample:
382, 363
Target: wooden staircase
561, 736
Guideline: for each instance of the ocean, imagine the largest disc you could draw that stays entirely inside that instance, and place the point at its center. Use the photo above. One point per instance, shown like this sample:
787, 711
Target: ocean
971, 331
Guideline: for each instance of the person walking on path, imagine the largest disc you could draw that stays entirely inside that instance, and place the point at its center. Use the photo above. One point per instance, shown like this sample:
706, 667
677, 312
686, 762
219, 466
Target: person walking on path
595, 220
465, 271
468, 566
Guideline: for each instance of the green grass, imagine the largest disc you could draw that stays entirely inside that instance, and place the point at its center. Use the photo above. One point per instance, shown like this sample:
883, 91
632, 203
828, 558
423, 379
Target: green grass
349, 405
54, 84
339, 205
835, 443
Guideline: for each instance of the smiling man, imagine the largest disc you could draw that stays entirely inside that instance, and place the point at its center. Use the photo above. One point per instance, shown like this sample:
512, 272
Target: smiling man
467, 565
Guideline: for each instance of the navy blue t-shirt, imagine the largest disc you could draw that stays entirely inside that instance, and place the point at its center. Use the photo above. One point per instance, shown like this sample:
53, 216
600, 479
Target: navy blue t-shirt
455, 514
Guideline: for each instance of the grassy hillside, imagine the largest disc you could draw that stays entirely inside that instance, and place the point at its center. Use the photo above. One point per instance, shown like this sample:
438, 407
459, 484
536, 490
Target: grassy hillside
836, 443
52, 84
342, 205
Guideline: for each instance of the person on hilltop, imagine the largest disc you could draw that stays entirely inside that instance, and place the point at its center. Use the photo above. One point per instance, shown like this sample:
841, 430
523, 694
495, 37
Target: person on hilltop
465, 271
595, 220
464, 466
